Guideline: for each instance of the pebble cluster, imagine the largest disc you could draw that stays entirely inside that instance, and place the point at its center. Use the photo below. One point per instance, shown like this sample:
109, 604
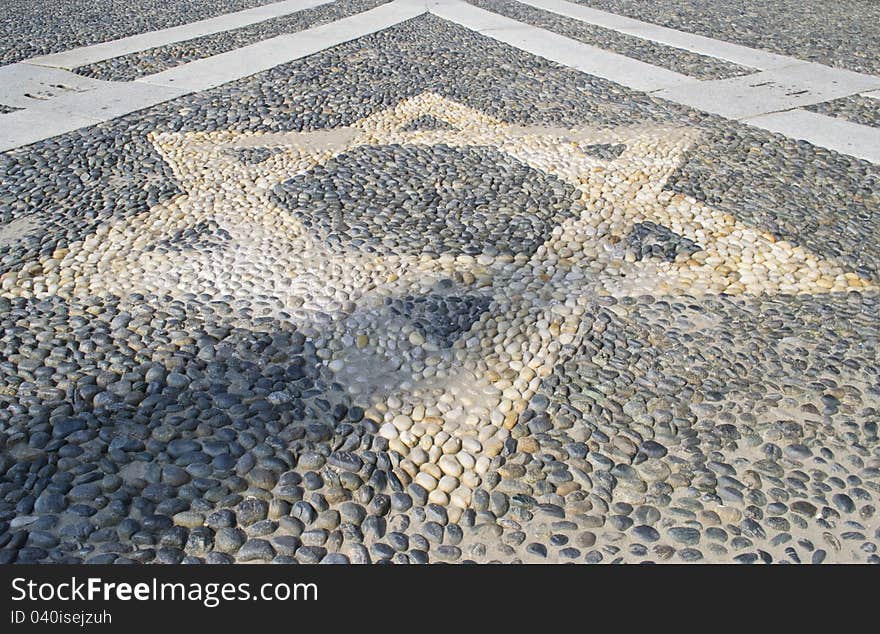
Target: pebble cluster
836, 34
155, 60
675, 59
280, 321
858, 109
33, 27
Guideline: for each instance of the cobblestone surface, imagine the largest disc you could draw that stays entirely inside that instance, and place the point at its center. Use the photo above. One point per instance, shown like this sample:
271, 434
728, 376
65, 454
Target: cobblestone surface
833, 33
424, 297
155, 60
34, 27
858, 109
675, 59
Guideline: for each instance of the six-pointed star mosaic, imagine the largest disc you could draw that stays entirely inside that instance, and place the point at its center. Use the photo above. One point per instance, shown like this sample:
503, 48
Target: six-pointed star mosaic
327, 313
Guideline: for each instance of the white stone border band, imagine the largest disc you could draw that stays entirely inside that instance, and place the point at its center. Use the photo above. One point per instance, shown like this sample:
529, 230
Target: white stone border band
74, 110
770, 99
618, 68
82, 56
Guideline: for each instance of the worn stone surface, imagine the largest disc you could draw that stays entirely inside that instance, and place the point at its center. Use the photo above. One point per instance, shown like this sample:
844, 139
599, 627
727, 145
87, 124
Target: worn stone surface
424, 297
32, 27
837, 34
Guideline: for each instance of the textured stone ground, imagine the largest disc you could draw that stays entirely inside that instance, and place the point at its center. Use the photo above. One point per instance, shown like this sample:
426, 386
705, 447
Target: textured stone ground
425, 297
34, 27
864, 110
676, 59
837, 33
155, 60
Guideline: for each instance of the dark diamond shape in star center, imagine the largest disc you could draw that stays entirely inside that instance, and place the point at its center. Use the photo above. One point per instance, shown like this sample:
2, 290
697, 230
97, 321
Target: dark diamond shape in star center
441, 318
426, 122
651, 240
412, 200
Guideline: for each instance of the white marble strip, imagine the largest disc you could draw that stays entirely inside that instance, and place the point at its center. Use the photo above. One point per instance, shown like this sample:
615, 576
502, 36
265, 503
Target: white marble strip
618, 68
735, 53
835, 134
795, 86
82, 56
769, 99
78, 110
219, 69
25, 85
760, 99
73, 110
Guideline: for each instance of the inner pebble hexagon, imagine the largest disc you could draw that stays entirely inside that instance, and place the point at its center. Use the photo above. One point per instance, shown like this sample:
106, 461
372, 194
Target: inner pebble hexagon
253, 155
205, 235
441, 318
651, 240
413, 200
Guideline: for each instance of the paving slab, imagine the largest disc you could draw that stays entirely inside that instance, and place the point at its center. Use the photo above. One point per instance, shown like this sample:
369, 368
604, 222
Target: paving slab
770, 91
838, 134
589, 59
735, 53
219, 69
24, 85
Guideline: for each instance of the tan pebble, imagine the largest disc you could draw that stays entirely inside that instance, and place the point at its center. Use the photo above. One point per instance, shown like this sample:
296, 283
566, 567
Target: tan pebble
437, 496
492, 447
567, 487
448, 484
528, 444
728, 514
450, 466
432, 469
452, 445
426, 480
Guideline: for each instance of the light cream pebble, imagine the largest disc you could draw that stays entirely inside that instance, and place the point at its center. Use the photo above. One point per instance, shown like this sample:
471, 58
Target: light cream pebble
482, 466
487, 433
448, 483
419, 456
452, 445
402, 422
466, 460
450, 466
471, 445
388, 431
437, 496
426, 442
426, 481
434, 453
396, 445
461, 497
432, 469
471, 479
408, 439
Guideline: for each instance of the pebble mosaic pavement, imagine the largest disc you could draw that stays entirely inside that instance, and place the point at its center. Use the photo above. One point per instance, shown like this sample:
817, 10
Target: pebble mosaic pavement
840, 33
425, 297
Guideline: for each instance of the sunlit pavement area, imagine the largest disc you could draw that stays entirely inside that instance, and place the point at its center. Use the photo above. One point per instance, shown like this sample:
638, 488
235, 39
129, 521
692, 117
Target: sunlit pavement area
486, 281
